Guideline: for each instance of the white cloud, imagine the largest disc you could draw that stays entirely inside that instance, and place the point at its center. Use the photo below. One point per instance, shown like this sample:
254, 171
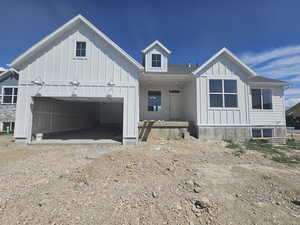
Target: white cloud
277, 63
253, 59
292, 91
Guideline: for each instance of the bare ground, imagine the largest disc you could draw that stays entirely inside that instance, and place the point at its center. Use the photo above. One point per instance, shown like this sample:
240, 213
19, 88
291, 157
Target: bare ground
162, 182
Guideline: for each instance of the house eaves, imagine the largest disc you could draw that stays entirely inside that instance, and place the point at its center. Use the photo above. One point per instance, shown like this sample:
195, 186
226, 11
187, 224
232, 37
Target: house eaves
156, 43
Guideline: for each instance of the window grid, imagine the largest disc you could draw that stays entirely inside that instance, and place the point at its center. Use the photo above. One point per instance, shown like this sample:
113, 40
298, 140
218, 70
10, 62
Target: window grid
223, 93
9, 95
80, 49
156, 60
262, 98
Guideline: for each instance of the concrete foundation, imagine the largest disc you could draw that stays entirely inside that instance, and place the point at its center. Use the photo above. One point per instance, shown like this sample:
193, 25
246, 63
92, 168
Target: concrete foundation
233, 133
163, 130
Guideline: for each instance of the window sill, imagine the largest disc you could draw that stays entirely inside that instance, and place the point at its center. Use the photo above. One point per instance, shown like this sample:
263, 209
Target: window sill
8, 103
80, 58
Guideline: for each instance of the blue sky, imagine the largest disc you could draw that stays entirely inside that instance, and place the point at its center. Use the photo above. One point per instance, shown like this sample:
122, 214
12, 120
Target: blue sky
265, 34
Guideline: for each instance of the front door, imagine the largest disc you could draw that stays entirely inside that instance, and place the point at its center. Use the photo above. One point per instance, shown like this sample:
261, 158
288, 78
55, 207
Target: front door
175, 109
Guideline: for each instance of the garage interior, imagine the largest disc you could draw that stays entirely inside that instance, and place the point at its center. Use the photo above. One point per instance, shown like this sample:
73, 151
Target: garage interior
77, 120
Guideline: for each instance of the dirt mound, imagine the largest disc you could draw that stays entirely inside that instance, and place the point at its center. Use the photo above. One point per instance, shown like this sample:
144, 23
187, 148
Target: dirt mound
178, 182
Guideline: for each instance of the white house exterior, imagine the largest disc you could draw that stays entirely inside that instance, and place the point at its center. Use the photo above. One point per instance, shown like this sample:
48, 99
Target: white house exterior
79, 64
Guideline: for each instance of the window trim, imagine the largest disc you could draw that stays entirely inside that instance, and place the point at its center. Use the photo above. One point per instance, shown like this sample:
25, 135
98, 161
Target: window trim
80, 57
262, 132
148, 100
13, 95
261, 99
223, 93
156, 60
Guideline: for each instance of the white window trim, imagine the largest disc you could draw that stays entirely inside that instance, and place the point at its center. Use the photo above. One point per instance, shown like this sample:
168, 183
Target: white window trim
261, 99
86, 50
2, 95
223, 95
261, 130
156, 60
161, 103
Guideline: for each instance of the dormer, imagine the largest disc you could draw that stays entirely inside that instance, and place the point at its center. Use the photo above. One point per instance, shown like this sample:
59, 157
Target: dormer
155, 57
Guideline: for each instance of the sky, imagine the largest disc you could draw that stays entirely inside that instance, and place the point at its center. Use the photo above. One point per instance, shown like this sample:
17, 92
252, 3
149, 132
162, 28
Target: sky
265, 34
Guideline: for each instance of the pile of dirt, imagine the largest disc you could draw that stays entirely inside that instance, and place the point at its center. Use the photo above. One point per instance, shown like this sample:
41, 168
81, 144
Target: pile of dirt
176, 182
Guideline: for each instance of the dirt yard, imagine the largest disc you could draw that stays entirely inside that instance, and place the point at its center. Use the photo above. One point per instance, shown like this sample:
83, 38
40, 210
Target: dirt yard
162, 182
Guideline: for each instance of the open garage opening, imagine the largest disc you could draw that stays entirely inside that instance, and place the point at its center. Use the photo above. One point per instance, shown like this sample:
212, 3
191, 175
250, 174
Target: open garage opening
77, 120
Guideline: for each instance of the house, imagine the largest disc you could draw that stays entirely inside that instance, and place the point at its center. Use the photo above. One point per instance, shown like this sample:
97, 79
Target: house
293, 116
78, 83
8, 93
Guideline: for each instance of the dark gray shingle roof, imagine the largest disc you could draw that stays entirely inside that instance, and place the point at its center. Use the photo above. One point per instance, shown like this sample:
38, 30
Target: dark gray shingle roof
260, 79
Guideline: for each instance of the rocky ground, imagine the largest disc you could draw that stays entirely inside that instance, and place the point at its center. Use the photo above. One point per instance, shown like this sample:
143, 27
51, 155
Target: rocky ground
162, 182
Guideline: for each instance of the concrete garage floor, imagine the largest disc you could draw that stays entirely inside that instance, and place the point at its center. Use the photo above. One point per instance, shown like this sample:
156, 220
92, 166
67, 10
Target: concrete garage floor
109, 135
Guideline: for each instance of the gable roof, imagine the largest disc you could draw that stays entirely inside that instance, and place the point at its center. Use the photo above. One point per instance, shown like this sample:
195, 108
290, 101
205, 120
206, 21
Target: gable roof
7, 73
156, 43
230, 55
62, 29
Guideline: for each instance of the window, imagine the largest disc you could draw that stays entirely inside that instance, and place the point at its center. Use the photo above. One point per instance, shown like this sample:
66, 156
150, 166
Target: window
156, 60
80, 49
8, 127
9, 95
154, 101
262, 133
223, 93
261, 98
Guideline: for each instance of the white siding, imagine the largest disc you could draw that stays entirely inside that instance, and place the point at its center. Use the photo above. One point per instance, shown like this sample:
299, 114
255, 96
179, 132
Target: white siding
274, 116
222, 68
243, 115
148, 60
57, 66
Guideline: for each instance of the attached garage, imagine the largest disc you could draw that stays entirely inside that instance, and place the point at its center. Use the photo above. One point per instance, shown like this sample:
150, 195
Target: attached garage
71, 120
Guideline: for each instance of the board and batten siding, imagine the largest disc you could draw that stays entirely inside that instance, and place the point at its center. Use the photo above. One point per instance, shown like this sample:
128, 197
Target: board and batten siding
148, 60
243, 115
222, 68
57, 66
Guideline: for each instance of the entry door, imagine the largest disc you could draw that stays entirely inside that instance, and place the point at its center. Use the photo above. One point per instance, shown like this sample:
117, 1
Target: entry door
175, 109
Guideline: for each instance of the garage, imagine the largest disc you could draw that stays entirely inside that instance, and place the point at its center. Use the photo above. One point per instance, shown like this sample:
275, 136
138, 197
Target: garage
77, 120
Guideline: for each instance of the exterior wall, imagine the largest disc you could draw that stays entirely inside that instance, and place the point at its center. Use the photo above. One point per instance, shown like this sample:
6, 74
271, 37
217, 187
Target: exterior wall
164, 114
274, 116
190, 102
234, 123
57, 66
7, 111
222, 68
148, 60
235, 133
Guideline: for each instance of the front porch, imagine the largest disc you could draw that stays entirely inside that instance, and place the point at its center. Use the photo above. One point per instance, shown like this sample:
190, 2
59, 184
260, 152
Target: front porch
167, 107
165, 97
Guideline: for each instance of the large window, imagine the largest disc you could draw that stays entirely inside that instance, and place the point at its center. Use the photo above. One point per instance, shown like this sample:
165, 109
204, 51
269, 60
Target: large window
156, 60
80, 49
262, 133
154, 101
9, 95
261, 98
223, 93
